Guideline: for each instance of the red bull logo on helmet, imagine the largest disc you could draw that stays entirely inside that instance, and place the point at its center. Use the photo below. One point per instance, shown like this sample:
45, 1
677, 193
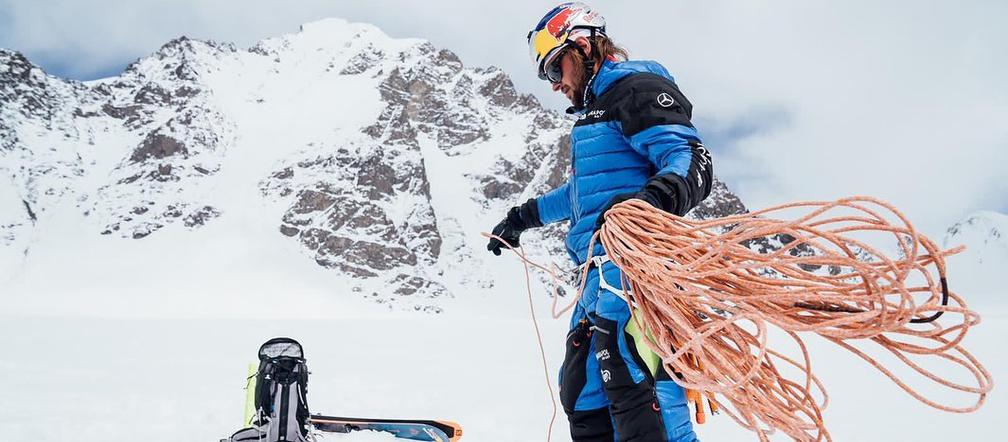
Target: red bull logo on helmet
558, 25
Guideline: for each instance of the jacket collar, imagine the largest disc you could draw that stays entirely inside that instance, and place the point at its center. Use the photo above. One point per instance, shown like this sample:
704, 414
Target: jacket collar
611, 72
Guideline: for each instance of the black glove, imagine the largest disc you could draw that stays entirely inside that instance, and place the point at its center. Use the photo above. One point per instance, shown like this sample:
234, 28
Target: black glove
519, 219
612, 202
660, 191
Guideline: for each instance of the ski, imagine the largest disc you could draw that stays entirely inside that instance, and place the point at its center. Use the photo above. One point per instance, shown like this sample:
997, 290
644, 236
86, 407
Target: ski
425, 430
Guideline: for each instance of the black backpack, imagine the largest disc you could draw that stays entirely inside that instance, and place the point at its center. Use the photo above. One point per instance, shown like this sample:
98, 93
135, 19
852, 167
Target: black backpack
281, 395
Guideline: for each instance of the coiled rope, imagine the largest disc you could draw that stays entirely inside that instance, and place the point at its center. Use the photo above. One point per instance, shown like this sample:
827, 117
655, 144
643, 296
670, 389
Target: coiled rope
705, 298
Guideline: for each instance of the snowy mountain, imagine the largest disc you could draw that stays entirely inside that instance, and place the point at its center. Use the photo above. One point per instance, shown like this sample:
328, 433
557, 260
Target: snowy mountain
381, 159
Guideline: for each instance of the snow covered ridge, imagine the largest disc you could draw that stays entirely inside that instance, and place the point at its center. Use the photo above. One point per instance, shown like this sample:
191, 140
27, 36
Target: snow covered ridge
380, 158
985, 229
980, 268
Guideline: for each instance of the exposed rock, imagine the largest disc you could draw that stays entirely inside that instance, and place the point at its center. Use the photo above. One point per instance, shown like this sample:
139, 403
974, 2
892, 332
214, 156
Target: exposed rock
287, 172
142, 230
377, 177
561, 164
31, 213
200, 216
310, 201
129, 112
720, 203
421, 95
163, 173
363, 61
186, 91
341, 210
172, 212
152, 94
158, 146
28, 92
499, 89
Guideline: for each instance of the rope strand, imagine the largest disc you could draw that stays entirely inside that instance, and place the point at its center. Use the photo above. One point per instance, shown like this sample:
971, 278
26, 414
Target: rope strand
535, 321
707, 298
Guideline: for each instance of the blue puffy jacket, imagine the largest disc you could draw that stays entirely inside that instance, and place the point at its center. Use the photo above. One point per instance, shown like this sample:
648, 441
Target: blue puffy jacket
636, 125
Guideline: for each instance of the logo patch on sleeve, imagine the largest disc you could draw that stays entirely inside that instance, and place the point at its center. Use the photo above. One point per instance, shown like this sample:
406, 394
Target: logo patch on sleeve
665, 100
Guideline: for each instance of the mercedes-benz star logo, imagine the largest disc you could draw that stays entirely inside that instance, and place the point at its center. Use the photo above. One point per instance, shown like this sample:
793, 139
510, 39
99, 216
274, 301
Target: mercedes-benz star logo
665, 100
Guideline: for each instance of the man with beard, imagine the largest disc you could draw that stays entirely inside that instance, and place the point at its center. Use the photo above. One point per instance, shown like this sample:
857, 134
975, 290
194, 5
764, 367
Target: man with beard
633, 139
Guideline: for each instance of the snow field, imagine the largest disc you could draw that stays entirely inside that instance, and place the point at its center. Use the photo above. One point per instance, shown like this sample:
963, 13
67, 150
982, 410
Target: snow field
169, 379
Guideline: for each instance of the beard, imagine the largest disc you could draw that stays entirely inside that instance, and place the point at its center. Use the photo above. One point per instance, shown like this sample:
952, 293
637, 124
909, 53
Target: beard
578, 81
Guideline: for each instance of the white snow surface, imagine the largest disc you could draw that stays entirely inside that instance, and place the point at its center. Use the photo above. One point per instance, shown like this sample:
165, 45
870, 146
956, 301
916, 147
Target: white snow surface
124, 379
113, 339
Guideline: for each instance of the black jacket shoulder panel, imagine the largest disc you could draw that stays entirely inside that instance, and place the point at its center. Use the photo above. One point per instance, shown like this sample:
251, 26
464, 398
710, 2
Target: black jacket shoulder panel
643, 100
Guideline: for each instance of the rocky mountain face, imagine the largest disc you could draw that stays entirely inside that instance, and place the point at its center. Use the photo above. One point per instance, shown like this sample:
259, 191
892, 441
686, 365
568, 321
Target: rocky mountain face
378, 157
156, 119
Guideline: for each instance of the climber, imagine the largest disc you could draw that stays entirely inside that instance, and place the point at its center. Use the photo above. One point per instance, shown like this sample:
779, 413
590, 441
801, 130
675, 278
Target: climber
632, 139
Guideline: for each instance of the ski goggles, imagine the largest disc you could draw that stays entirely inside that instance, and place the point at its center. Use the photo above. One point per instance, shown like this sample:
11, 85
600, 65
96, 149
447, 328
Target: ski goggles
545, 48
552, 72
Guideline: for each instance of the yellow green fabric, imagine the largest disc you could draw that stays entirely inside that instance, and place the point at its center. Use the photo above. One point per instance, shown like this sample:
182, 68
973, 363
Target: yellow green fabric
250, 387
650, 358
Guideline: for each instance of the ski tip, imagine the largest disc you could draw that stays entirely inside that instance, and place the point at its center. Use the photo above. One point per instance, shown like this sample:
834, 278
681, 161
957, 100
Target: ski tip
457, 434
438, 430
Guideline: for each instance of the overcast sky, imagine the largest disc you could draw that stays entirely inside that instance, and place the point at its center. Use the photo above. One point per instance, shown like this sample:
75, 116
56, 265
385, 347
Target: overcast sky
804, 99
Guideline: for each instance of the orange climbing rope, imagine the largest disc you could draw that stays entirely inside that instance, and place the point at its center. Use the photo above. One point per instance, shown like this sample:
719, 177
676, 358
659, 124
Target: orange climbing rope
708, 291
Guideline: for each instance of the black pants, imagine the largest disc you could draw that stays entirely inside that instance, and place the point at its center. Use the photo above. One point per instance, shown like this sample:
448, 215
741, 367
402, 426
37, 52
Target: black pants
603, 401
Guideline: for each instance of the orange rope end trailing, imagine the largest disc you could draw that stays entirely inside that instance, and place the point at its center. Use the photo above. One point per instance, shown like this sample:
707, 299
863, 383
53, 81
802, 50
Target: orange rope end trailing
535, 321
706, 295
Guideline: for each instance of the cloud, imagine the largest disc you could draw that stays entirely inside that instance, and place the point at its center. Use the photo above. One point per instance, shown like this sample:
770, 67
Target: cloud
892, 100
797, 100
735, 165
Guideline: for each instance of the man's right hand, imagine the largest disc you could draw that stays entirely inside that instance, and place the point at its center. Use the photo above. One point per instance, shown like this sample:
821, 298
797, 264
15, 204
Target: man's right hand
509, 229
519, 219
